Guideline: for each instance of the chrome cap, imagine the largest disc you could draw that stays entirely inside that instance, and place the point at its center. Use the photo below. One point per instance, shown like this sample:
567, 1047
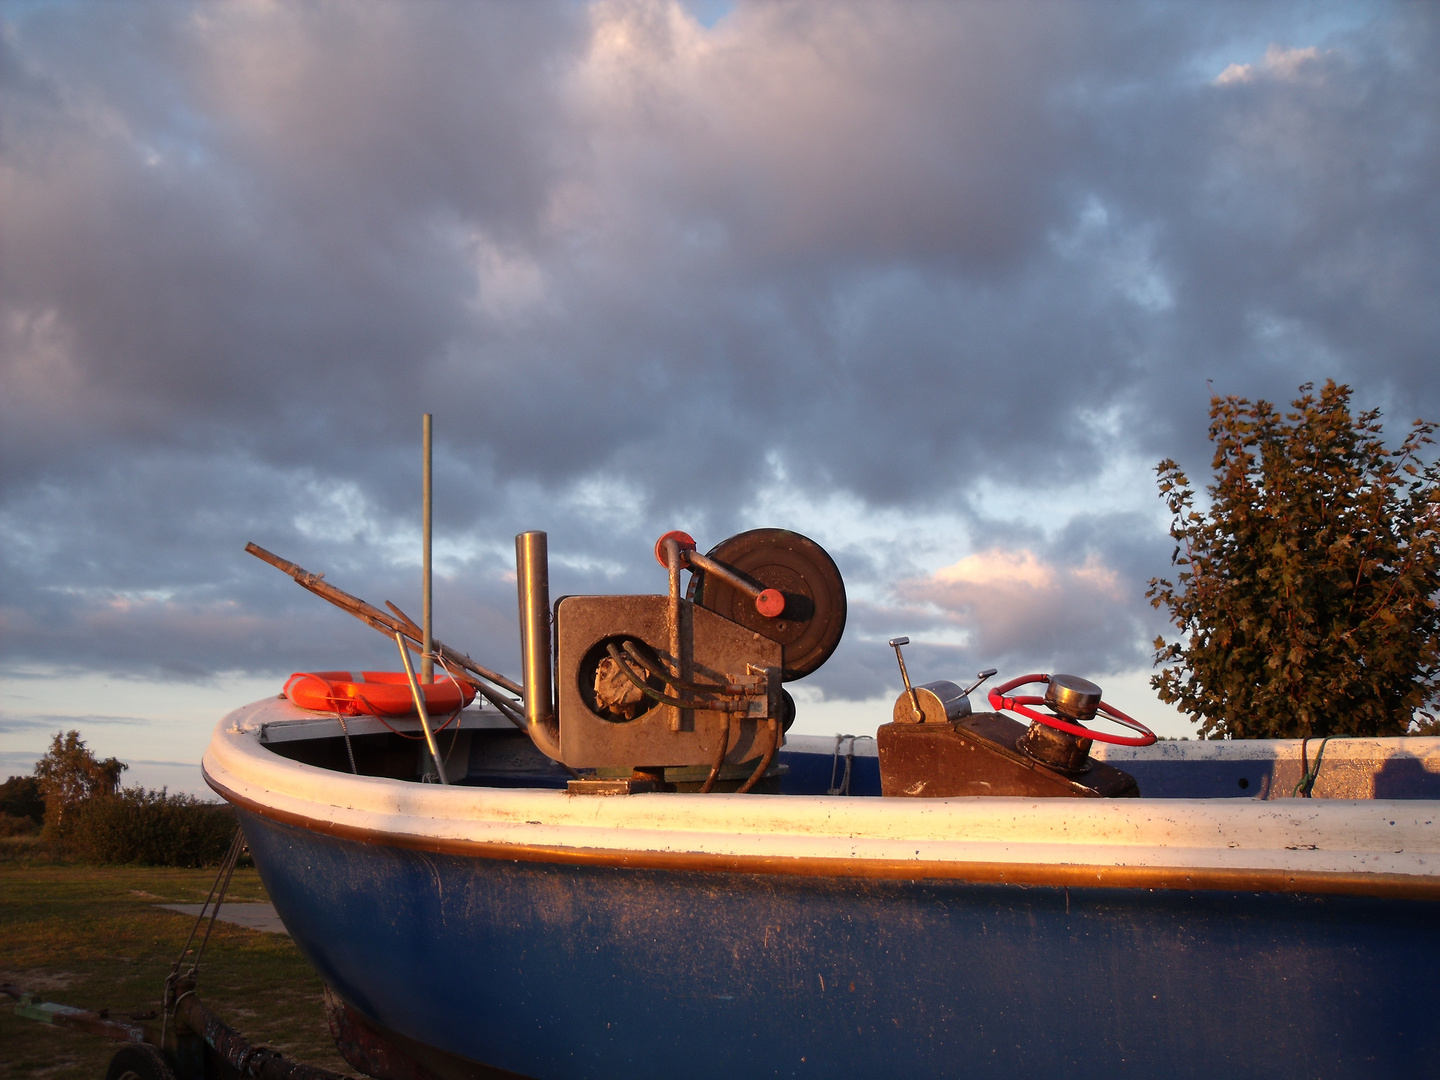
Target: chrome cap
1072, 696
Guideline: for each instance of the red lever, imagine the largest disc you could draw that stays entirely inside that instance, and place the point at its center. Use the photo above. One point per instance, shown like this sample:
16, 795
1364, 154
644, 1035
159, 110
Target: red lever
684, 539
770, 603
1021, 705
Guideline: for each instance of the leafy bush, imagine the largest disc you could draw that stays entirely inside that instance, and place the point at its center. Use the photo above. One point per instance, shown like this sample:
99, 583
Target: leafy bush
20, 797
152, 827
86, 817
16, 826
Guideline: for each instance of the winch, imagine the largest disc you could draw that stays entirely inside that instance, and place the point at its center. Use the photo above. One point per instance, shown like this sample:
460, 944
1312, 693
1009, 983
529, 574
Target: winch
642, 683
620, 689
935, 746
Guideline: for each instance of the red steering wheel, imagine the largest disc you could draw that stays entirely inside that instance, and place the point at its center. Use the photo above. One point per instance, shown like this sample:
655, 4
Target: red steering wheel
1022, 705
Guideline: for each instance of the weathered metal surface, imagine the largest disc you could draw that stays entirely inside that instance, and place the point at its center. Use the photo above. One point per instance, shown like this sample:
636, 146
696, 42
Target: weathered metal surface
940, 702
679, 662
813, 617
532, 582
715, 649
237, 1053
1072, 696
419, 698
916, 715
140, 1061
626, 785
1058, 749
978, 755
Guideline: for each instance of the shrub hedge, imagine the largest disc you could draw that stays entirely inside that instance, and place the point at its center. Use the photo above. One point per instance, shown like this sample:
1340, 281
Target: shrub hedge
151, 827
17, 826
21, 797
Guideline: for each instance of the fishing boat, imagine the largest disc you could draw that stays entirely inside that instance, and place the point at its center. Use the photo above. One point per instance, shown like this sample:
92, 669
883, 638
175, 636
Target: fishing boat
620, 864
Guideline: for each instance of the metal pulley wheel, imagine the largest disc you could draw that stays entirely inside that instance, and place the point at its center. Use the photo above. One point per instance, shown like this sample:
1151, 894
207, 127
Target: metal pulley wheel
813, 618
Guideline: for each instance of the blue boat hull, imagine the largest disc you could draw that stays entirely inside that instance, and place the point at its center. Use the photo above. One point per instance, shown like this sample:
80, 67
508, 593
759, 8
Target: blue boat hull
549, 969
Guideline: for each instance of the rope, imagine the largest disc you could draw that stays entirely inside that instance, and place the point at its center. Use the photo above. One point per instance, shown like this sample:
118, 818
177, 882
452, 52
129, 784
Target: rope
217, 894
1307, 780
349, 750
236, 846
403, 734
843, 788
454, 738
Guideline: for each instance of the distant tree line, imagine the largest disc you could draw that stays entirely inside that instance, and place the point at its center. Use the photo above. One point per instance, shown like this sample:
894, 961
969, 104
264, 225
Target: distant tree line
74, 801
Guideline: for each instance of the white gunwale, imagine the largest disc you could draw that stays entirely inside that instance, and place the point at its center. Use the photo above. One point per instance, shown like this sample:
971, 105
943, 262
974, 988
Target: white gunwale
1359, 846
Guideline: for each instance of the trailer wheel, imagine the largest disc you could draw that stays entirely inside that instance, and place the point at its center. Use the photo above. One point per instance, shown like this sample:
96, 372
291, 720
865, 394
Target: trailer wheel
139, 1062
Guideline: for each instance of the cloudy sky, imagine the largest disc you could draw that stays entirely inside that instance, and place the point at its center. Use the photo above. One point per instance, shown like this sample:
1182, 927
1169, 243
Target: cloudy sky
936, 284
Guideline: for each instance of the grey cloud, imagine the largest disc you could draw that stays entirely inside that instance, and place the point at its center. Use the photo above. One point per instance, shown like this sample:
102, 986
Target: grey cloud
900, 254
1063, 603
65, 721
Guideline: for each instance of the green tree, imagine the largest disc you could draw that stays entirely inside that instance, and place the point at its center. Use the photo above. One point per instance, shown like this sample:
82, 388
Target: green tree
70, 774
1306, 597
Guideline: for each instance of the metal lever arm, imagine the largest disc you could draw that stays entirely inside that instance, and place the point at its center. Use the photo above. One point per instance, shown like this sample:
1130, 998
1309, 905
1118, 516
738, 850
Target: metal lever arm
895, 644
768, 602
420, 708
989, 672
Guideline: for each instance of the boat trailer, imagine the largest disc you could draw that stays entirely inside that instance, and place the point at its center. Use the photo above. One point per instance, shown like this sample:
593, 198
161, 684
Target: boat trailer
195, 1045
185, 1040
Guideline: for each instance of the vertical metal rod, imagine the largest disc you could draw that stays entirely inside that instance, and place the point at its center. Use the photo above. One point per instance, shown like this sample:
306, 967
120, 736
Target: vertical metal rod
532, 581
672, 562
420, 707
427, 659
895, 644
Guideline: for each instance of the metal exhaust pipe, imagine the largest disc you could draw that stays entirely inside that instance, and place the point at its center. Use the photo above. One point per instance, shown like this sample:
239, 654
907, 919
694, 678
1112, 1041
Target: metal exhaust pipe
532, 579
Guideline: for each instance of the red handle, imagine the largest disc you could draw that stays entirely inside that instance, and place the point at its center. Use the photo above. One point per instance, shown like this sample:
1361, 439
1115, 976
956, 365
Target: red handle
684, 539
1021, 705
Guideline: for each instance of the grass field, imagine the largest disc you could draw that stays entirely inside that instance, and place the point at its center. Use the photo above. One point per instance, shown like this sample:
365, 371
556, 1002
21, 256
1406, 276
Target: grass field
93, 937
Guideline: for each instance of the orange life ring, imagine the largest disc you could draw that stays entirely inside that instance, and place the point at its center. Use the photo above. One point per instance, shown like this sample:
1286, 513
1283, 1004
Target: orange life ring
373, 693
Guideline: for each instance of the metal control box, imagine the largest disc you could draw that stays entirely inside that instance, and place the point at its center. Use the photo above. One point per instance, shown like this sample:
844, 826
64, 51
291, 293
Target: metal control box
980, 755
713, 651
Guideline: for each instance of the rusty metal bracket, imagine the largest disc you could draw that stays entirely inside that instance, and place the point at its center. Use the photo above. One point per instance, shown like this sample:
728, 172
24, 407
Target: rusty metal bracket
238, 1052
31, 1006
